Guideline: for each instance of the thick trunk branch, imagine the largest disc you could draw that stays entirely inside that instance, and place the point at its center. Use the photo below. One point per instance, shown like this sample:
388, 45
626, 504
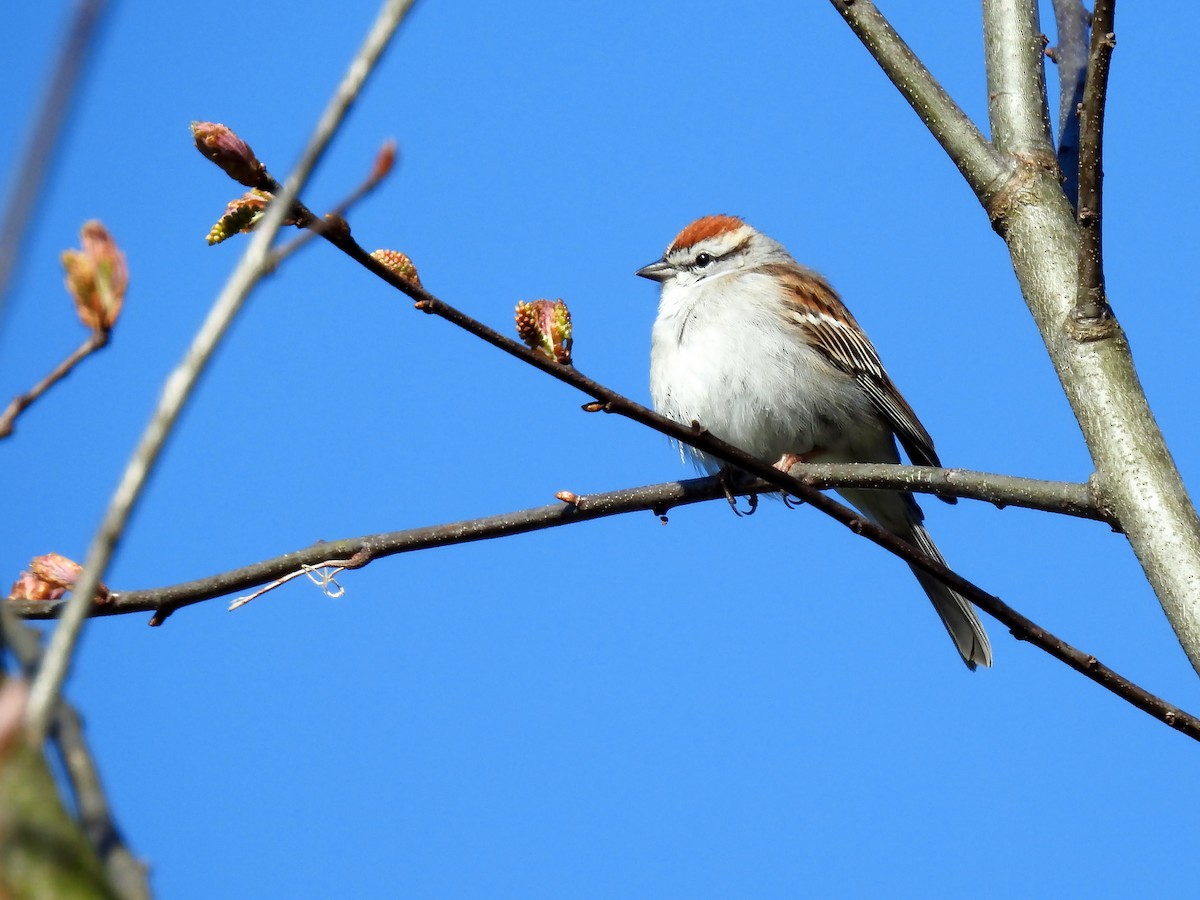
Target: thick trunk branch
1136, 474
1016, 77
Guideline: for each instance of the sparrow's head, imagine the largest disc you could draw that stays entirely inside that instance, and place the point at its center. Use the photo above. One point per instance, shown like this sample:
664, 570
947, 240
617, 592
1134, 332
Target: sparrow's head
711, 247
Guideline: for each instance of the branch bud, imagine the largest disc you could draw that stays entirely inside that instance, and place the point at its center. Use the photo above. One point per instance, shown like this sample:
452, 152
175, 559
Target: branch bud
385, 159
50, 576
399, 263
97, 277
545, 325
220, 145
240, 216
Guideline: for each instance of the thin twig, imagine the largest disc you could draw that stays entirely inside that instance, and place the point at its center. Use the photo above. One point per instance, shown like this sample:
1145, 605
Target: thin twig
96, 340
375, 177
1070, 56
29, 175
323, 574
983, 168
178, 387
1091, 311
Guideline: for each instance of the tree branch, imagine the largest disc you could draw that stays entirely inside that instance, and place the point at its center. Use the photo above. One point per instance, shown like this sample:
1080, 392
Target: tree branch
1063, 497
1017, 109
178, 387
1091, 306
1003, 490
1094, 365
380, 169
358, 552
96, 340
982, 167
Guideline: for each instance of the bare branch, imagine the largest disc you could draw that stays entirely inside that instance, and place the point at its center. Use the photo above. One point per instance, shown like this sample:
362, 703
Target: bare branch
1014, 45
1003, 490
1091, 306
20, 403
1070, 56
1133, 465
982, 167
29, 175
380, 169
358, 552
1064, 497
178, 388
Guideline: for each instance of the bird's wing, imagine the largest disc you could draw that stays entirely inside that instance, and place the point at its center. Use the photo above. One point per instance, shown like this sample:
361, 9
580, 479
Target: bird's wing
815, 307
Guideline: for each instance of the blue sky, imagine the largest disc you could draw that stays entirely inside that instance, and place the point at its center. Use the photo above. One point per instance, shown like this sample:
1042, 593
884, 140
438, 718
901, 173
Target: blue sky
717, 707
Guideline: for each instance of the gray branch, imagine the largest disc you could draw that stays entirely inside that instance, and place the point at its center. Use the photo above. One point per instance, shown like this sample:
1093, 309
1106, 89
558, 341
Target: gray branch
980, 164
1016, 77
1133, 465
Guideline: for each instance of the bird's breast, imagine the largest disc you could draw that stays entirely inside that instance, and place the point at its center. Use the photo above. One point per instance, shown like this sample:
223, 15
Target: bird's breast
726, 360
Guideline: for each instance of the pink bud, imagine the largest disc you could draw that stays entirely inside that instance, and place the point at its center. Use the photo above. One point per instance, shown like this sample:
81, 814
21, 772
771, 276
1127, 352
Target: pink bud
545, 325
234, 156
385, 159
97, 277
50, 577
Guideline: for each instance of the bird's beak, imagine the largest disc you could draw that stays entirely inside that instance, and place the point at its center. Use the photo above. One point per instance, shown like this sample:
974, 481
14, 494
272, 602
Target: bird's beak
656, 271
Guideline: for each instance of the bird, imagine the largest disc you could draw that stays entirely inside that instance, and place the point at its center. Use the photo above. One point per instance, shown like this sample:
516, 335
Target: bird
761, 352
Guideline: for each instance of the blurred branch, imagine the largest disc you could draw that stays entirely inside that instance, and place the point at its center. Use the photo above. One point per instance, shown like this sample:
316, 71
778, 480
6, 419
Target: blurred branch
358, 552
981, 165
44, 853
126, 873
1091, 306
96, 340
178, 387
1070, 55
29, 175
381, 167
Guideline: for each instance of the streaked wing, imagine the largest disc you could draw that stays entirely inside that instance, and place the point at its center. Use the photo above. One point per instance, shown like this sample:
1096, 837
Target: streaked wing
814, 306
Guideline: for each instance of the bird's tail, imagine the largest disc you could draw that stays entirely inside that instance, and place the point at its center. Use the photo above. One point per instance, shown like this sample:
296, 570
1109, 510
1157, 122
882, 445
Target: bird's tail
955, 610
900, 514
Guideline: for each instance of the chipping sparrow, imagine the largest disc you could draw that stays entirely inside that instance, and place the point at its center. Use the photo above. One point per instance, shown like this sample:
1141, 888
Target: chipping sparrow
761, 352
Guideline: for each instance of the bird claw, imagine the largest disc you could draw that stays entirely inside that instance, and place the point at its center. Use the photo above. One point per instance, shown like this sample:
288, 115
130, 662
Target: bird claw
727, 477
785, 466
